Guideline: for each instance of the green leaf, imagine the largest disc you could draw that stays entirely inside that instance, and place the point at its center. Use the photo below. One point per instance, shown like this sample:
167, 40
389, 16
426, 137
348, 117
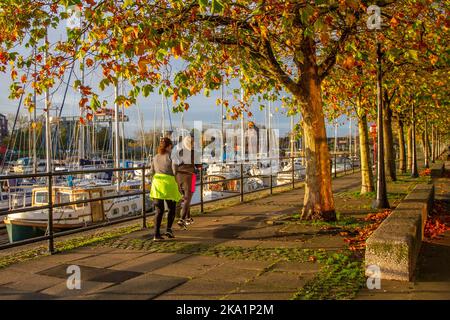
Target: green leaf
146, 90
203, 3
413, 54
216, 6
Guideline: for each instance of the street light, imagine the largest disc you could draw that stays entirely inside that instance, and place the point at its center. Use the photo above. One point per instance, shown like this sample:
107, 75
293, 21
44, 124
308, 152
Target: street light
373, 134
381, 201
414, 169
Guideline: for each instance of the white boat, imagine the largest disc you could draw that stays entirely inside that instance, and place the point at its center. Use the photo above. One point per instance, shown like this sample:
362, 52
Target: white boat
264, 171
216, 188
285, 175
26, 166
342, 164
21, 226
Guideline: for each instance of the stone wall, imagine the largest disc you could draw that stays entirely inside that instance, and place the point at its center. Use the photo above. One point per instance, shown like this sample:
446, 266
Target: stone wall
395, 245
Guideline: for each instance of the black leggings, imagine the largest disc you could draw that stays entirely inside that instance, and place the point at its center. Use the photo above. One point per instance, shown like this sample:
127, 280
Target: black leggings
160, 214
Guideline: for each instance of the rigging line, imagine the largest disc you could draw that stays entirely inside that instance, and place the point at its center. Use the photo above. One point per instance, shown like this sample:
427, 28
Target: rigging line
15, 122
170, 115
57, 129
144, 145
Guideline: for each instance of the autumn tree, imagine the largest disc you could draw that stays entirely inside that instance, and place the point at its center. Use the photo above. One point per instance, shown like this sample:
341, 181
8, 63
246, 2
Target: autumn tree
271, 46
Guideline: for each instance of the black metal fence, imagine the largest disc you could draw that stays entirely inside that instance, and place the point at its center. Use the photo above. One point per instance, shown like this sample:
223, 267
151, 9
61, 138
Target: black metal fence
345, 165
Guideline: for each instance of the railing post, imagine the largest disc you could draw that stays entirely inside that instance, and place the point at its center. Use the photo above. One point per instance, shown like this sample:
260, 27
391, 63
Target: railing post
271, 178
335, 168
293, 172
51, 245
242, 183
201, 190
144, 213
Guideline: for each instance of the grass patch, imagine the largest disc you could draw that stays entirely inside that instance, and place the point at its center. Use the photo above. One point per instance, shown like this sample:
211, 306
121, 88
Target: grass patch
341, 278
66, 245
345, 222
230, 252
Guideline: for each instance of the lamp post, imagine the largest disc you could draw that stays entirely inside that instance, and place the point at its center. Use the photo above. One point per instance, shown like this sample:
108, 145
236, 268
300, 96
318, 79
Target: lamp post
373, 134
381, 201
414, 169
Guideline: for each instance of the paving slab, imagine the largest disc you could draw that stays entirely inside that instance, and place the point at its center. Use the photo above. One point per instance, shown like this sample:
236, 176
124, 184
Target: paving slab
264, 296
11, 275
199, 289
247, 264
92, 274
303, 268
278, 279
150, 262
148, 285
232, 274
109, 259
14, 294
60, 291
33, 283
43, 263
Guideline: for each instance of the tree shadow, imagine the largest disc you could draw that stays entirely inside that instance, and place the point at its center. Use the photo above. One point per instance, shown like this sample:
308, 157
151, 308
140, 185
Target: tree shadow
433, 262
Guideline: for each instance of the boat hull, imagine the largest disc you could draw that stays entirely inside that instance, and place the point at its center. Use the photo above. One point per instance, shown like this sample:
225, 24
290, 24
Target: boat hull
19, 232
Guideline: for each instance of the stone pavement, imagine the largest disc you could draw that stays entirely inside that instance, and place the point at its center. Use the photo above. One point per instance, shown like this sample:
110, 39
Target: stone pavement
232, 253
432, 275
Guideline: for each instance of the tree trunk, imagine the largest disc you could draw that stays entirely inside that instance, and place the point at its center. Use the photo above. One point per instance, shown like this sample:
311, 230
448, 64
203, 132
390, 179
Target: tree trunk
428, 142
410, 148
414, 170
389, 152
433, 145
401, 143
366, 166
425, 151
318, 202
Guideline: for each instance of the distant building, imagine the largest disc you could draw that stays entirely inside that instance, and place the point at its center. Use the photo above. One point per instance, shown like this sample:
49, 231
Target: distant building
3, 126
3, 132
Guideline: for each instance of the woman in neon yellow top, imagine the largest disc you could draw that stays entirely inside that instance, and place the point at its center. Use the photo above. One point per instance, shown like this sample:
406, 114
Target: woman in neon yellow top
164, 188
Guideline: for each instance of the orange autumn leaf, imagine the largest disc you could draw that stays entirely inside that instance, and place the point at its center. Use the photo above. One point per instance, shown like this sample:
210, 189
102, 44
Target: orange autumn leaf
89, 62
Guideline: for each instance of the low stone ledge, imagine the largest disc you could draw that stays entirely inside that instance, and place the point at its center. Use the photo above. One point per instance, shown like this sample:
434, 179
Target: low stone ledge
438, 169
395, 245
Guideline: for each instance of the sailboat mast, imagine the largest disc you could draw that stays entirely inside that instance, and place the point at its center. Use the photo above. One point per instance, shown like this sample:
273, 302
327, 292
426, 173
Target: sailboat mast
81, 135
34, 114
163, 113
123, 129
335, 137
154, 132
350, 150
222, 96
292, 137
116, 131
48, 149
242, 127
269, 126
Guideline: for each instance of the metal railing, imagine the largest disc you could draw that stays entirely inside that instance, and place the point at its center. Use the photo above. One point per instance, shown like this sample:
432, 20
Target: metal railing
144, 192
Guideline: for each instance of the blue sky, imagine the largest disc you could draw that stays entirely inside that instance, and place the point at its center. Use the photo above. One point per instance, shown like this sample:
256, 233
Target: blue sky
202, 108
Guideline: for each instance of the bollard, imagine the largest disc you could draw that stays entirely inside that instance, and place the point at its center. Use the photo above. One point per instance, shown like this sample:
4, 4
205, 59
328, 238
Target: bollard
51, 245
144, 214
242, 183
201, 191
335, 168
293, 172
271, 180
